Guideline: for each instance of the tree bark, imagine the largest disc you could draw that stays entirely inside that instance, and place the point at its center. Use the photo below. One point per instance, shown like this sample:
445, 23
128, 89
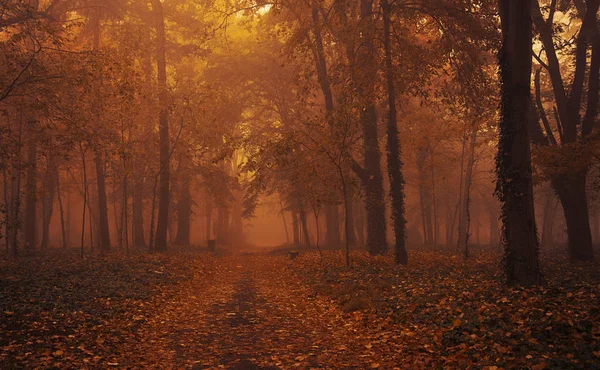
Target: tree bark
184, 212
465, 219
30, 216
332, 221
295, 231
104, 237
209, 211
568, 111
139, 239
514, 186
365, 63
424, 196
48, 205
164, 191
548, 221
394, 160
571, 191
304, 225
61, 209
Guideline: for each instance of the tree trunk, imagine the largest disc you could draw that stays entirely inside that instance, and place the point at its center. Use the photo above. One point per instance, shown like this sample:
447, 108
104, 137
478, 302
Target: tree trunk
7, 210
548, 221
394, 160
209, 209
296, 232
48, 205
184, 212
465, 219
571, 191
375, 203
568, 112
61, 209
595, 227
332, 221
104, 237
304, 225
139, 239
514, 186
436, 230
16, 191
164, 191
85, 199
30, 217
362, 62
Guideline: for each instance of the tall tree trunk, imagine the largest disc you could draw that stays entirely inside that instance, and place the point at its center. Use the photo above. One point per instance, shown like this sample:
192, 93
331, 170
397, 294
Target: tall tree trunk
571, 188
48, 205
295, 228
434, 239
304, 225
514, 186
364, 64
209, 209
139, 239
30, 217
125, 207
152, 236
68, 219
61, 209
104, 237
164, 191
85, 200
424, 196
448, 220
571, 191
285, 227
595, 227
332, 232
184, 212
548, 220
16, 190
7, 209
465, 213
394, 160
351, 234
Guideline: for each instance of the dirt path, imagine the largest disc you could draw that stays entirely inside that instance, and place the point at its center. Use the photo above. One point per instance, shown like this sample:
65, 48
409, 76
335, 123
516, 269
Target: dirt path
252, 315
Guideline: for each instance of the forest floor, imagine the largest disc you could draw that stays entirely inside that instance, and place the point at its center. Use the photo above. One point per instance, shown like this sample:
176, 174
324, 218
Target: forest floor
261, 311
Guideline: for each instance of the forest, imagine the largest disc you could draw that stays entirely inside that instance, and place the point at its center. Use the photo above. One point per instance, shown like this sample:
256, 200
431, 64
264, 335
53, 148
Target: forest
311, 184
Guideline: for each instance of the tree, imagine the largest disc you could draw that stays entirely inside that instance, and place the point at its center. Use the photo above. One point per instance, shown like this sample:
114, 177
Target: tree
574, 132
514, 186
164, 191
393, 148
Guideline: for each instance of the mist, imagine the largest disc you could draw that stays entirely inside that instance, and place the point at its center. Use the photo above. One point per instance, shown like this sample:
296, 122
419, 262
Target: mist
299, 184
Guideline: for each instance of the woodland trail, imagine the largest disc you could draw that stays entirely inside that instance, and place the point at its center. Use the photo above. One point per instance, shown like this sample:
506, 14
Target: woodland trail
251, 314
194, 310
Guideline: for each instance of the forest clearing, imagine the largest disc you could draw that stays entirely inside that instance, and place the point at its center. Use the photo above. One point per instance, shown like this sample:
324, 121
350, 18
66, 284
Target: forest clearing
312, 184
258, 310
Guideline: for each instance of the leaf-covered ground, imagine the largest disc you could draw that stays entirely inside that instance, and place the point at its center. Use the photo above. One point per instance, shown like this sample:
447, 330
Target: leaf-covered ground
450, 313
260, 311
